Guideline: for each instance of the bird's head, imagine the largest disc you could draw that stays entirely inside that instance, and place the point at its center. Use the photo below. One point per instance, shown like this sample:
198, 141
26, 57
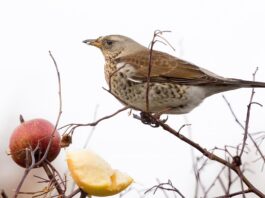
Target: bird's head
114, 46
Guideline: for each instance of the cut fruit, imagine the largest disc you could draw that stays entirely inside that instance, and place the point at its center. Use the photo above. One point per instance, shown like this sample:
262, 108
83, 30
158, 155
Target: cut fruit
94, 175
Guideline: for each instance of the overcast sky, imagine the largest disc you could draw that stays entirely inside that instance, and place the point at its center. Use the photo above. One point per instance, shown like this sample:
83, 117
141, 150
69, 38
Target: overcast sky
226, 37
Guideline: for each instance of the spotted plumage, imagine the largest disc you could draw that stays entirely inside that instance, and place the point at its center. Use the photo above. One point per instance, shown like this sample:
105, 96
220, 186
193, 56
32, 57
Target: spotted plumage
175, 86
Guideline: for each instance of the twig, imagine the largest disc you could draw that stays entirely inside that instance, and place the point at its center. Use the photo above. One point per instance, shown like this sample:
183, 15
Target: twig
32, 152
83, 194
75, 192
59, 112
149, 72
197, 173
245, 128
71, 127
217, 178
55, 172
156, 34
162, 187
262, 156
52, 178
211, 156
232, 112
195, 162
92, 129
164, 192
247, 122
235, 194
229, 183
3, 194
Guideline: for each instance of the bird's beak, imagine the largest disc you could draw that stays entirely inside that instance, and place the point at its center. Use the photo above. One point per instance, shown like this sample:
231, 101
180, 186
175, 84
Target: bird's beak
93, 42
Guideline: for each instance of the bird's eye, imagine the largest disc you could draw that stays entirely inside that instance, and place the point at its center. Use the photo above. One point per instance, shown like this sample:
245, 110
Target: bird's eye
109, 42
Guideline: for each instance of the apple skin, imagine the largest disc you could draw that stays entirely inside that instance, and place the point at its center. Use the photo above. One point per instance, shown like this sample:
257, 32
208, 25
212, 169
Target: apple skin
30, 134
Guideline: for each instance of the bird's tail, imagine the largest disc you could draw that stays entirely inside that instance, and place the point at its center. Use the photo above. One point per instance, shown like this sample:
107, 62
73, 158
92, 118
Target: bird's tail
246, 83
231, 84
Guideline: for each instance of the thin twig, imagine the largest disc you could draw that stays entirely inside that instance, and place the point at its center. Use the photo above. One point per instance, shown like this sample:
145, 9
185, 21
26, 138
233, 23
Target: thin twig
211, 156
83, 194
164, 192
245, 128
162, 186
247, 122
59, 112
217, 178
27, 170
32, 152
55, 171
92, 129
235, 194
3, 194
149, 73
75, 192
52, 178
156, 34
73, 126
232, 112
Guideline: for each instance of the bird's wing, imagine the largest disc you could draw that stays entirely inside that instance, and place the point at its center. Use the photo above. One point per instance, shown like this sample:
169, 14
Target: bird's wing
167, 68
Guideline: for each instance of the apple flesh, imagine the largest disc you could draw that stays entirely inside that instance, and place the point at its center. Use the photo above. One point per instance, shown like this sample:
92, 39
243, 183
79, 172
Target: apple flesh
30, 135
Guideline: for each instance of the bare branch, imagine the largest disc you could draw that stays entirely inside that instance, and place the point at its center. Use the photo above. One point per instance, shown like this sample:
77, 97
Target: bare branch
52, 178
235, 194
165, 186
71, 127
210, 155
3, 194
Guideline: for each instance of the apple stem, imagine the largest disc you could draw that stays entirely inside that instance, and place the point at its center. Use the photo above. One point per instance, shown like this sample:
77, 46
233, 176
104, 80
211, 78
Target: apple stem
21, 119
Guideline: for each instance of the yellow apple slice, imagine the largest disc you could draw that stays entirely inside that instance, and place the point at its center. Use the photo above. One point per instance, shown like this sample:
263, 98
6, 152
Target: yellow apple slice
94, 175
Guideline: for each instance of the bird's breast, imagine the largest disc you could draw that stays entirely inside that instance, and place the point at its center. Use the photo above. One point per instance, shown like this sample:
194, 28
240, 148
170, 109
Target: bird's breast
161, 96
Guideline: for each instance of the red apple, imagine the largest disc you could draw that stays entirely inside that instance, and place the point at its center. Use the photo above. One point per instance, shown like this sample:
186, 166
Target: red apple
31, 134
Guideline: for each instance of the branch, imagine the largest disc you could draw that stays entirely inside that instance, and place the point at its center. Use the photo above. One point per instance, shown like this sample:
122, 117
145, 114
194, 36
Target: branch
71, 127
235, 194
31, 152
247, 121
75, 192
245, 128
3, 194
211, 156
156, 34
52, 178
59, 112
162, 186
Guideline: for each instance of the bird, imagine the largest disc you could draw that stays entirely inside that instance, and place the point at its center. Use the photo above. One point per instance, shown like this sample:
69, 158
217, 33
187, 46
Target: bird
157, 82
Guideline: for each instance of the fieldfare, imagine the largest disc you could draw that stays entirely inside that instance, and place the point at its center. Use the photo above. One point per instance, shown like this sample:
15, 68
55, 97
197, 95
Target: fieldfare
158, 82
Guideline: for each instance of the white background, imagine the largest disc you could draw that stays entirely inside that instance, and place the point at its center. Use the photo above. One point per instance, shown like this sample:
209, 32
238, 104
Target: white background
226, 37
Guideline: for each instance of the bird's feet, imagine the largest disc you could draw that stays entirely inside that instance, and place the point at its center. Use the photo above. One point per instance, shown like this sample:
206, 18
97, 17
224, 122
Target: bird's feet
150, 119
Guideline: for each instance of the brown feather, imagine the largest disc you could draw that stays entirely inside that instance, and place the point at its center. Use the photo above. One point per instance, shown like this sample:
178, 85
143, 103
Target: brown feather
166, 68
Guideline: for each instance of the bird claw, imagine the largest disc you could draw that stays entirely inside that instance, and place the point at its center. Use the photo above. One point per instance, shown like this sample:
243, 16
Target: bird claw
149, 119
